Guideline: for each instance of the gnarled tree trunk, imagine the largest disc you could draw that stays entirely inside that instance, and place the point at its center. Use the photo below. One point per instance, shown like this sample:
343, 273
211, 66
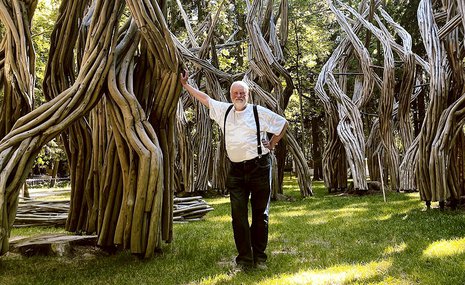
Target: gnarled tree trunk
38, 127
118, 114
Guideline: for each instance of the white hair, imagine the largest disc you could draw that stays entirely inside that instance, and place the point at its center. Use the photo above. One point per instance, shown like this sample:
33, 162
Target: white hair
242, 83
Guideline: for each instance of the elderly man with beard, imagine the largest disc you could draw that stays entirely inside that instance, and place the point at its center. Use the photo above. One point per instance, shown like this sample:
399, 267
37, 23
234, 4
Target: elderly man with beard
245, 129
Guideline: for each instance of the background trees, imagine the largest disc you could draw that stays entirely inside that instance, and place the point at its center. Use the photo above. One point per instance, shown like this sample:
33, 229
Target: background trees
401, 83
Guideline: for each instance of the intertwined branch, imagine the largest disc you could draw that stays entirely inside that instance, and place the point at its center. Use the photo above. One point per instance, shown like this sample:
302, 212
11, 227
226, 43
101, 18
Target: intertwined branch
433, 162
38, 127
344, 108
17, 62
440, 158
117, 116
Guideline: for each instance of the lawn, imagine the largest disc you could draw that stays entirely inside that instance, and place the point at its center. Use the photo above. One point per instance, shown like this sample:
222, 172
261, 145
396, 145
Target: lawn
324, 239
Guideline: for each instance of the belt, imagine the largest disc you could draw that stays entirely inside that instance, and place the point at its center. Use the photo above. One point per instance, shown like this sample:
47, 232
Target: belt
251, 161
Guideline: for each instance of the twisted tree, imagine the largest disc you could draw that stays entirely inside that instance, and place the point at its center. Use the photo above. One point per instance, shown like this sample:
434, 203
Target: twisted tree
440, 160
345, 104
433, 162
118, 123
36, 128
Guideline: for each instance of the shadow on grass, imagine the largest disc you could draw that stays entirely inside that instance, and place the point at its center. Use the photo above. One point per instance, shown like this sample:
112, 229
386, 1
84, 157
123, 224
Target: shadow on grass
363, 239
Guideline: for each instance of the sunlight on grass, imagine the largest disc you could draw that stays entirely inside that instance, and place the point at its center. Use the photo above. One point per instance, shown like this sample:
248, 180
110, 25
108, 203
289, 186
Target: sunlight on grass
384, 217
216, 201
348, 211
62, 197
340, 274
338, 213
294, 213
325, 239
218, 279
395, 248
316, 217
224, 218
445, 248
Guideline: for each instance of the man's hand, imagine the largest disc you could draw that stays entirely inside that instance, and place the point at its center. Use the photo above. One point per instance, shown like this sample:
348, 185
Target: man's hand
183, 77
268, 144
197, 94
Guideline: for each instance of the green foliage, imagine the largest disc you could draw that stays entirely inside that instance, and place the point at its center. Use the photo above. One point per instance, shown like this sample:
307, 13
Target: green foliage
43, 21
405, 13
292, 111
42, 27
227, 30
325, 239
47, 156
311, 40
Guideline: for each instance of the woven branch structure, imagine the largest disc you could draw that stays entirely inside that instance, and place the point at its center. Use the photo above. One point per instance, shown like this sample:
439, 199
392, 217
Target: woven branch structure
431, 162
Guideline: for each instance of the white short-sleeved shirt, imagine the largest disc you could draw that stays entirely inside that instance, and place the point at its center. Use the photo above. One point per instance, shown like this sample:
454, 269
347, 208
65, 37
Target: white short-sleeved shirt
241, 130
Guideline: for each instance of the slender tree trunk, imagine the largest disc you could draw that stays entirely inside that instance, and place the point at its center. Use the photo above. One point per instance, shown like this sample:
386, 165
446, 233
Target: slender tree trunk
56, 163
316, 149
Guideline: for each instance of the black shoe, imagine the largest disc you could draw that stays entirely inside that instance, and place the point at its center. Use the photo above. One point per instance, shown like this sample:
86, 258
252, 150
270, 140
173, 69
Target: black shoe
261, 265
242, 267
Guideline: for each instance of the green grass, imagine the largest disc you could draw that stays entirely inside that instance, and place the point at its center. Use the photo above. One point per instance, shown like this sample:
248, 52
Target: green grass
324, 239
50, 194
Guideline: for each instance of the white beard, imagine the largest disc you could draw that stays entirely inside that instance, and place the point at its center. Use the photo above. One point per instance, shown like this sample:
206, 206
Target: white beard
239, 104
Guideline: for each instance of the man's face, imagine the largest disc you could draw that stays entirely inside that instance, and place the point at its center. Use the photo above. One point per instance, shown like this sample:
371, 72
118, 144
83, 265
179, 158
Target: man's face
239, 96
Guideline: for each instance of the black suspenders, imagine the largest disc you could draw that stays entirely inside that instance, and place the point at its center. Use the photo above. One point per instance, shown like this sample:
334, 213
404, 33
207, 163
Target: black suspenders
257, 123
224, 126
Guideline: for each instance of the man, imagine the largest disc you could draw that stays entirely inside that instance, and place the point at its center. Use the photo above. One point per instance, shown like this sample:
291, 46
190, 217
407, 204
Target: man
250, 171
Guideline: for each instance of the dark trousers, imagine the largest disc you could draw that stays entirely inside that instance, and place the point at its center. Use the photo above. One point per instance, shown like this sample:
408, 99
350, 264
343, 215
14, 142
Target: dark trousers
250, 178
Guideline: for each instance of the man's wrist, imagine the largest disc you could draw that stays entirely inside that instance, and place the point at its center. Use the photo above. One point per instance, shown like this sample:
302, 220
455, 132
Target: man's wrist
273, 142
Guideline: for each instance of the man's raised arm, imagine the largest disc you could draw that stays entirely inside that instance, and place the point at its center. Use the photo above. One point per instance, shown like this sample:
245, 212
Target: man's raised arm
197, 94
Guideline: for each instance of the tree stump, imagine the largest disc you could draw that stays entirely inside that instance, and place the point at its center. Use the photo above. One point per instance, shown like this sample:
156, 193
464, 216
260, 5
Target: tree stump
53, 245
